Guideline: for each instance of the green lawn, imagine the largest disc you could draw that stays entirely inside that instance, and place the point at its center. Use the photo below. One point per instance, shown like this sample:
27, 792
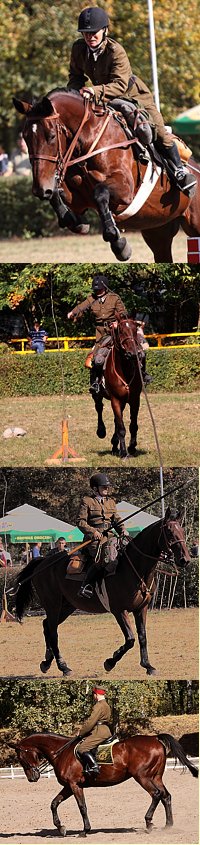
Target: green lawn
176, 417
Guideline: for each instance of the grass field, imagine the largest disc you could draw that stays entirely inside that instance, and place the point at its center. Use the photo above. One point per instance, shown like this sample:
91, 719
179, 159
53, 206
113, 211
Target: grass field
176, 417
73, 248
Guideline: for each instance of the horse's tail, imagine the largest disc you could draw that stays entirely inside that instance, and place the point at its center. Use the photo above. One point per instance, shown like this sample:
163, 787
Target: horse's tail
176, 748
24, 588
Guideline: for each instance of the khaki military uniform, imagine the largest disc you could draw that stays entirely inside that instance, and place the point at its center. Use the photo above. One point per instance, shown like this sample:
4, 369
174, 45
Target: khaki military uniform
97, 726
104, 309
111, 76
95, 515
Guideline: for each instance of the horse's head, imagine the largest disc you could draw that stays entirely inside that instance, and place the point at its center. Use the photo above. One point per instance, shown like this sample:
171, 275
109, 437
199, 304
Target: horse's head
174, 538
29, 758
126, 334
48, 138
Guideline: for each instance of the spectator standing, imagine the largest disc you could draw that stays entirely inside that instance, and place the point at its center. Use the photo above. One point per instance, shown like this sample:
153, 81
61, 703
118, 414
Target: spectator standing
20, 158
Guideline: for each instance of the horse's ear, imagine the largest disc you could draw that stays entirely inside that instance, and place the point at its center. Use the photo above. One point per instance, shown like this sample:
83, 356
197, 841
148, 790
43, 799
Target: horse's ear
167, 514
21, 105
44, 107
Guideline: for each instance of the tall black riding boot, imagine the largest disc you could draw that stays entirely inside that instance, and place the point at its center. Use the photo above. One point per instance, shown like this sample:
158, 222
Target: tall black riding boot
184, 181
146, 377
89, 763
95, 378
87, 588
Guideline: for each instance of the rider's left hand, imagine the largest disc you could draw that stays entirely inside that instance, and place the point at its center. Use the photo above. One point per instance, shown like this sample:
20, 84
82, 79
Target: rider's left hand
87, 92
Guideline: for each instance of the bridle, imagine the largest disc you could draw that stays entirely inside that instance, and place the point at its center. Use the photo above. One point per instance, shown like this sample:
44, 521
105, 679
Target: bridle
121, 342
64, 161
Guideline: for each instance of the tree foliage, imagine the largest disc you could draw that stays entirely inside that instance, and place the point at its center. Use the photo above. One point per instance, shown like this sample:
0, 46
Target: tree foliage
167, 294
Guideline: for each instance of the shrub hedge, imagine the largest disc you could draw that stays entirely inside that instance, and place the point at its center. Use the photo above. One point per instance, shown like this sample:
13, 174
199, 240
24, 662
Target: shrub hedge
23, 215
35, 375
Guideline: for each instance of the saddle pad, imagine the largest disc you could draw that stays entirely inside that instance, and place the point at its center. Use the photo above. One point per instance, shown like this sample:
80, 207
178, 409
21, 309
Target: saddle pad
144, 191
104, 752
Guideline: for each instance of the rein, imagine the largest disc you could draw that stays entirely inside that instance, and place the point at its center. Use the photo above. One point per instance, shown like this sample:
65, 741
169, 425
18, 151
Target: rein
65, 161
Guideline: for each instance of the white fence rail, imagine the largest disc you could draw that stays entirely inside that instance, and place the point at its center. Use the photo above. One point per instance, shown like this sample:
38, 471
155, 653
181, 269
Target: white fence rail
13, 772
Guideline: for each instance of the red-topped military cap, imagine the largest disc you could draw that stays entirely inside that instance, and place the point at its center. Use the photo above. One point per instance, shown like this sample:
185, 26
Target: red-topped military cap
98, 691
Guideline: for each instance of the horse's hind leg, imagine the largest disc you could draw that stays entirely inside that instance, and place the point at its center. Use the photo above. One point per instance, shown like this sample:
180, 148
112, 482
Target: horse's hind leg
111, 233
167, 803
79, 795
160, 240
125, 625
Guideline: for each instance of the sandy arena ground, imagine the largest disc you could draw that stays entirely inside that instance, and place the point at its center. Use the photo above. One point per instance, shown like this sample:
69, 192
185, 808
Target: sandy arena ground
73, 248
86, 641
116, 814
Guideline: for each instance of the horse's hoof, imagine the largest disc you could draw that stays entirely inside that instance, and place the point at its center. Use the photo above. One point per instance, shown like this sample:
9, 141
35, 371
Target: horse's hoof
121, 249
132, 450
44, 666
109, 664
151, 670
123, 457
62, 830
101, 431
66, 671
83, 229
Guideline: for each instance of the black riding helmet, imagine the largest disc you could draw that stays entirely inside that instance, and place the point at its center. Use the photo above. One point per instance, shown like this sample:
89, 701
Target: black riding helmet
99, 479
99, 283
92, 19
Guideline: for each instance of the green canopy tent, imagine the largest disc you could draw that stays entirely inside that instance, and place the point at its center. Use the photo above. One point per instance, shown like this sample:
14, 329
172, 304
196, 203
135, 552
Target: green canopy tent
136, 523
188, 122
27, 524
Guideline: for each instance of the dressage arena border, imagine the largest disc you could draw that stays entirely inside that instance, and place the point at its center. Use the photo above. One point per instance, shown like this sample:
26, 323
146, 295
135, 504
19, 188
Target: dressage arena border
16, 772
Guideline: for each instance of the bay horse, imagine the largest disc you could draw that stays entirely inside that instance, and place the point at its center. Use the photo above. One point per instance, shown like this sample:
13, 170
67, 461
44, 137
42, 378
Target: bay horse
140, 757
129, 589
123, 384
71, 162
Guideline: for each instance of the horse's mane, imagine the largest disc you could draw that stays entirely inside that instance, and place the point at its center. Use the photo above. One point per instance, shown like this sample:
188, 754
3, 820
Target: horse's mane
64, 91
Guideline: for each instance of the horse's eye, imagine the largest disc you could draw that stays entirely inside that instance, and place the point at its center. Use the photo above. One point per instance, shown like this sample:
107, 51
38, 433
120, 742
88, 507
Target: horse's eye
52, 137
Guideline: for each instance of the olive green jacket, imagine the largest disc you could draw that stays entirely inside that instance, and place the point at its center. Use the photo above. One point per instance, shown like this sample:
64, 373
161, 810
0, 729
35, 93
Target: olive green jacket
111, 74
95, 516
101, 712
104, 311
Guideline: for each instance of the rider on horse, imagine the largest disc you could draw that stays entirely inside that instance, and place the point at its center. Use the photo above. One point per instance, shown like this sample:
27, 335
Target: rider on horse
98, 514
100, 59
96, 730
107, 308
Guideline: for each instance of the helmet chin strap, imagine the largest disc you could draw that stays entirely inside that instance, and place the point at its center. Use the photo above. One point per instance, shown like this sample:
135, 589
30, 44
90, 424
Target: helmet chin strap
96, 49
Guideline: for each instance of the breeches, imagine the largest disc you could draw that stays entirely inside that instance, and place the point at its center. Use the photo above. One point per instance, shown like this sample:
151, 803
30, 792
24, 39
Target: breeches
98, 735
101, 350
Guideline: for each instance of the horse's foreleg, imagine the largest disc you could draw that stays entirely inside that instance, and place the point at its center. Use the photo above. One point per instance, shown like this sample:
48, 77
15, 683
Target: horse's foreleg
140, 621
79, 795
98, 401
62, 796
49, 655
120, 431
125, 625
134, 410
66, 217
53, 620
111, 233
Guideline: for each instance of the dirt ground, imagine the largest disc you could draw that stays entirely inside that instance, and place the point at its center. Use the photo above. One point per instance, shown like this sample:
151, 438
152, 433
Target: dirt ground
73, 248
172, 413
86, 641
116, 815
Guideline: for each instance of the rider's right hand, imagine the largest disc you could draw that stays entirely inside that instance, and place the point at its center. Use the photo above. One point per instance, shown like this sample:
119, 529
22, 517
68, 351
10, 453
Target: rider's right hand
97, 535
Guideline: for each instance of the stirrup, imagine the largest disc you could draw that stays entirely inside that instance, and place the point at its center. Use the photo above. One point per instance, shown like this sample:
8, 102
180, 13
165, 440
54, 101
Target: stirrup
184, 180
92, 770
86, 591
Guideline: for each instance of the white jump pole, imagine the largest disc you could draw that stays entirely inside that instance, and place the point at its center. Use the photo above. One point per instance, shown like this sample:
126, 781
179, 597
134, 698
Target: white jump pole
153, 54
